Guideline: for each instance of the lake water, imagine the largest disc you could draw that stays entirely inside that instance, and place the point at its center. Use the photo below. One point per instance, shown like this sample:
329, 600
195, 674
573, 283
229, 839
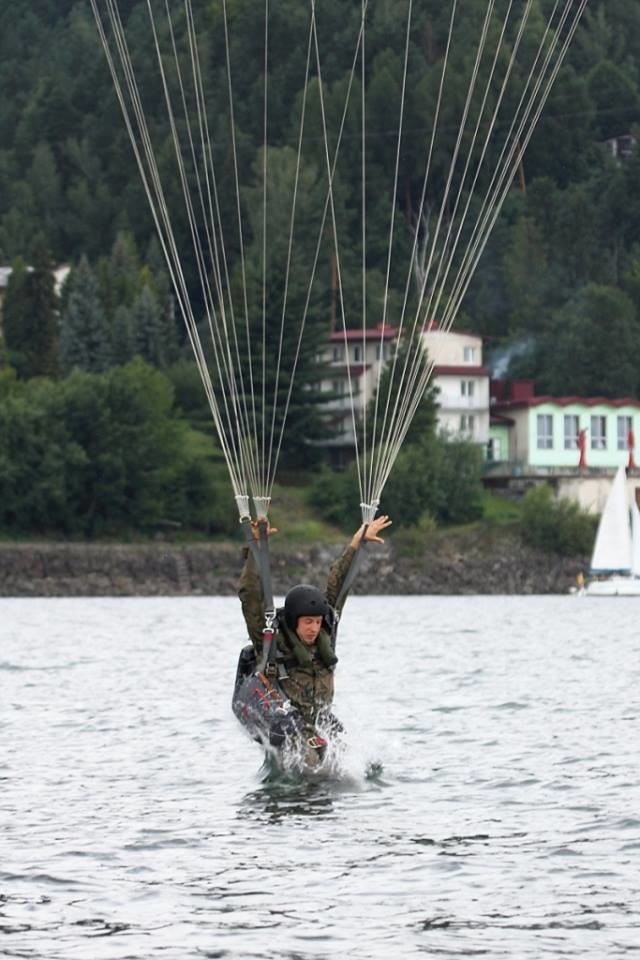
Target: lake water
135, 821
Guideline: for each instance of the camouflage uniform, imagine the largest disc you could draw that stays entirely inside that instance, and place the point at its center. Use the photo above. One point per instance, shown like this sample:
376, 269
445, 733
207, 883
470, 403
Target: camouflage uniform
310, 685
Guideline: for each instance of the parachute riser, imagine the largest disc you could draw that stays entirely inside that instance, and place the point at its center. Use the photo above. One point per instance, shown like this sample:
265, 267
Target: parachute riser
260, 550
369, 510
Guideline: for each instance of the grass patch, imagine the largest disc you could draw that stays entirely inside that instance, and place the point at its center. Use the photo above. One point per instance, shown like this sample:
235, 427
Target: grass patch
501, 512
296, 521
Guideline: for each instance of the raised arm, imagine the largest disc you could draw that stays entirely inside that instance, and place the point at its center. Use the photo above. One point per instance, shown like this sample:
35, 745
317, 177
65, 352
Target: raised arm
252, 600
367, 533
251, 594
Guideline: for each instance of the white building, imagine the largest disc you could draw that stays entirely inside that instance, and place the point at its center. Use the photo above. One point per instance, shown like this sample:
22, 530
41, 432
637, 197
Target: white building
462, 382
355, 359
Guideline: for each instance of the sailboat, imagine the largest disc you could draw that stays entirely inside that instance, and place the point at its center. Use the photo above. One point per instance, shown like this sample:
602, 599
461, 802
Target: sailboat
615, 563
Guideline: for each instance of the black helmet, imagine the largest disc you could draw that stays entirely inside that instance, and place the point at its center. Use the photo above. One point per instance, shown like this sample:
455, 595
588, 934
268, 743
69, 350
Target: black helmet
304, 601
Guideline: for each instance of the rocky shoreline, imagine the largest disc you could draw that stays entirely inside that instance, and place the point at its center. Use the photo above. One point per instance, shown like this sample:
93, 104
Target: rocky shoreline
458, 565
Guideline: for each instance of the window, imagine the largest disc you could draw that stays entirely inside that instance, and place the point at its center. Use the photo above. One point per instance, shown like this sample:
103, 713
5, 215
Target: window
494, 449
624, 429
381, 351
469, 354
571, 429
598, 433
357, 354
545, 431
338, 353
466, 423
467, 388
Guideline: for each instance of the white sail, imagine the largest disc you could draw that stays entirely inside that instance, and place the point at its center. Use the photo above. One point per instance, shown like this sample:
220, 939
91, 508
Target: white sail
612, 551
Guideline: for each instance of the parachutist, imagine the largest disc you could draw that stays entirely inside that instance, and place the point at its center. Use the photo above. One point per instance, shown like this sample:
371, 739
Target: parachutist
303, 659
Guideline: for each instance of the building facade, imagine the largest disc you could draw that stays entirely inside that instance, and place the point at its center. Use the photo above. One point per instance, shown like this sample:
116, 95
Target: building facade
462, 382
354, 360
576, 442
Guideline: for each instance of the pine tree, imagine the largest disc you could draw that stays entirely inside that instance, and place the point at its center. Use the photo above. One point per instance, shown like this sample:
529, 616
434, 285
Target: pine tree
30, 317
43, 317
149, 328
84, 336
14, 312
122, 345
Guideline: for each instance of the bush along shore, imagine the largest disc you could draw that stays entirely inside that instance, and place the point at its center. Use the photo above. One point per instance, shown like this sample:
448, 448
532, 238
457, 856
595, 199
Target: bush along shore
457, 564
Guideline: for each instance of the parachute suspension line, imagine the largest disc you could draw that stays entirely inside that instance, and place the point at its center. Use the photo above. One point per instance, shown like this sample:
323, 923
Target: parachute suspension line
217, 256
329, 204
532, 101
442, 281
520, 133
397, 434
273, 458
334, 229
447, 252
449, 314
394, 198
519, 142
239, 216
232, 405
384, 465
507, 171
436, 292
133, 115
153, 190
221, 345
219, 333
265, 114
417, 330
363, 181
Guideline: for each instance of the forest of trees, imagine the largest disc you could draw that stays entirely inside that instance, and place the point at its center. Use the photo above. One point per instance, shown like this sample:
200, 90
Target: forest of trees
557, 290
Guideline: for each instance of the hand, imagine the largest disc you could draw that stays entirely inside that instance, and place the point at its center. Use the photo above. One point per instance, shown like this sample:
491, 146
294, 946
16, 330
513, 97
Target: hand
370, 532
374, 528
255, 529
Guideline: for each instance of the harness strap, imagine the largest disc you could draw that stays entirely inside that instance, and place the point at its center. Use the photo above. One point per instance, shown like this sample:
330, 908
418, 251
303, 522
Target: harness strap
346, 585
260, 551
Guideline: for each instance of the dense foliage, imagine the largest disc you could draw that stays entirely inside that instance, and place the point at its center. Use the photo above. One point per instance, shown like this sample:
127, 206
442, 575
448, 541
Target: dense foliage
567, 241
104, 454
556, 526
557, 290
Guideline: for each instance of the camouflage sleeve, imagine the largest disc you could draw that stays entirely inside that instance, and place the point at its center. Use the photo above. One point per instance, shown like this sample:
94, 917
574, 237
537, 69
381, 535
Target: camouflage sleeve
337, 573
250, 594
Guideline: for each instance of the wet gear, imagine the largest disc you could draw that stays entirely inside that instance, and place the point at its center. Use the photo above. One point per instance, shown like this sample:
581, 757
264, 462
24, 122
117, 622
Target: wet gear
290, 700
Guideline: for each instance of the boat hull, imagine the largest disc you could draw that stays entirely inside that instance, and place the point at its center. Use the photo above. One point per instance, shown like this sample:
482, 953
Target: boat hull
614, 587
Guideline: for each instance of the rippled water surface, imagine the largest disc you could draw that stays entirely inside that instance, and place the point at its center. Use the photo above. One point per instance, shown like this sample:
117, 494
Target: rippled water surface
136, 821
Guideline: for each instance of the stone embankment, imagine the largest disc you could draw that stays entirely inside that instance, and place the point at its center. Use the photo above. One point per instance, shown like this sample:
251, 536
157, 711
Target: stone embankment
450, 566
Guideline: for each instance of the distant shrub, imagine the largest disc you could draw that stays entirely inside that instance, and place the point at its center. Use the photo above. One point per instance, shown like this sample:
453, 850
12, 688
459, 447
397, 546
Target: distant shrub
436, 477
335, 498
413, 541
557, 526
